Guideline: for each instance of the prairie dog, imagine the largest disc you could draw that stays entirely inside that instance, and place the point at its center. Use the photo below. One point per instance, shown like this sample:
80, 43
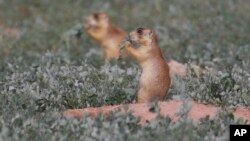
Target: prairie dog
155, 80
101, 29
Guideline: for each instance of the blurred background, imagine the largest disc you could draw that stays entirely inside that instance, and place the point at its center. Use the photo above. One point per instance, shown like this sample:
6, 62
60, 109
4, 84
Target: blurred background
188, 30
45, 68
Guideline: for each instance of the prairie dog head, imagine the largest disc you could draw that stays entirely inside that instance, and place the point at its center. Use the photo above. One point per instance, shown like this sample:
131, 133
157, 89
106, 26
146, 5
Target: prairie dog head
142, 37
141, 44
97, 20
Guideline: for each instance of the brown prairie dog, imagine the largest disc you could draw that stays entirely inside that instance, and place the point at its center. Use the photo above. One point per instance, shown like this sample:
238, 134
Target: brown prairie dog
155, 80
101, 29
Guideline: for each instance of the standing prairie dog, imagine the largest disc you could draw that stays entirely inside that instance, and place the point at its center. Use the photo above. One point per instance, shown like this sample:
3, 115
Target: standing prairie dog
155, 79
101, 29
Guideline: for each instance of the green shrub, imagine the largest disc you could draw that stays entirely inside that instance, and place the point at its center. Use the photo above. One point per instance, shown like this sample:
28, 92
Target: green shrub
48, 69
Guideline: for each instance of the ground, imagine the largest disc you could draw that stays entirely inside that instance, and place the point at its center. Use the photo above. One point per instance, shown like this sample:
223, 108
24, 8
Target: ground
45, 68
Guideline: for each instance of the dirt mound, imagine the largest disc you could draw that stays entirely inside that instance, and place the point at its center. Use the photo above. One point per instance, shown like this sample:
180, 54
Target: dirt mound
170, 108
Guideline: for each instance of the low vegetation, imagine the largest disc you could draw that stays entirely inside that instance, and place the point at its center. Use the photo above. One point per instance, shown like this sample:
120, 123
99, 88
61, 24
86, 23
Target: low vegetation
49, 69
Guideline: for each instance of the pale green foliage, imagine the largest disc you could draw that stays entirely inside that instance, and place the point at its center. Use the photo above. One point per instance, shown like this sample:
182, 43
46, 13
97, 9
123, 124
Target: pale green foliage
54, 66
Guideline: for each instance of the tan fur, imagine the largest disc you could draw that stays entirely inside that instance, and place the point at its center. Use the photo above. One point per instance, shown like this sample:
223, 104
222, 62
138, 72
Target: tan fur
110, 38
100, 28
155, 80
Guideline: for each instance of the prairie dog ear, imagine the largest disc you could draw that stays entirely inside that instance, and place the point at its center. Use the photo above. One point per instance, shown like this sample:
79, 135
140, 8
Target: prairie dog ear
148, 34
151, 37
151, 34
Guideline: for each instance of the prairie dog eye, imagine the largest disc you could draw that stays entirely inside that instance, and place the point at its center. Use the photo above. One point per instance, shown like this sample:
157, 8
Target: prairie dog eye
96, 16
139, 30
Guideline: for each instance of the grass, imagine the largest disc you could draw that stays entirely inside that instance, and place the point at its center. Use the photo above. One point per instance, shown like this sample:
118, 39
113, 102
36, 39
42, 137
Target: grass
44, 72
